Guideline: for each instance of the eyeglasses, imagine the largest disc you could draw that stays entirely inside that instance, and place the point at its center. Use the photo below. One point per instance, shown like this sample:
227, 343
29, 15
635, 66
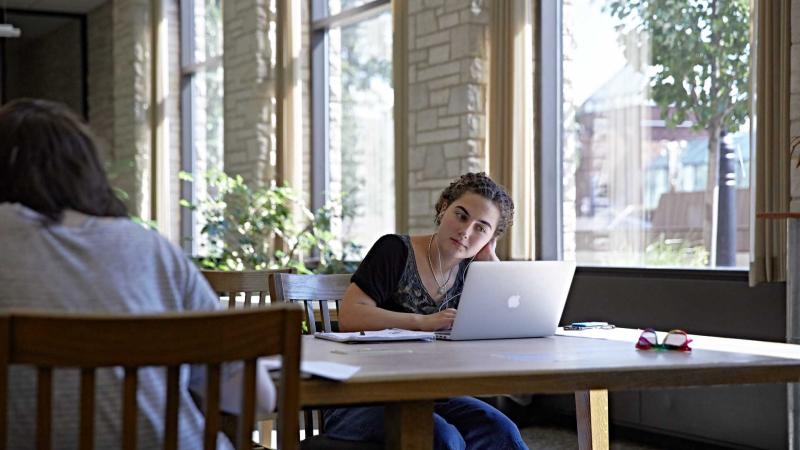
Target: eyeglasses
674, 340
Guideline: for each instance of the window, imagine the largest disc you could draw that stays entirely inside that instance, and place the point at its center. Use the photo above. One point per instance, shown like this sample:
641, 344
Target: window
201, 103
352, 115
653, 131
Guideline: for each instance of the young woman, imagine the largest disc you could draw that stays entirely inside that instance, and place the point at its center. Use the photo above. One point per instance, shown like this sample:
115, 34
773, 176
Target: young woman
415, 282
68, 245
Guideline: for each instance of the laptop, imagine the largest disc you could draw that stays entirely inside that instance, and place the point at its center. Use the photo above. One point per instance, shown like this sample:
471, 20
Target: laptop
511, 299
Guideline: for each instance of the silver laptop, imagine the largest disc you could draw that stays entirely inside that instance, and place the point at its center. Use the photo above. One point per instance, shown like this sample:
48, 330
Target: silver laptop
511, 299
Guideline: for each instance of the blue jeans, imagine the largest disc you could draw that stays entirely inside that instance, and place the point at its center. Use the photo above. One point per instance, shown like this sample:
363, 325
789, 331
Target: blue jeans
458, 423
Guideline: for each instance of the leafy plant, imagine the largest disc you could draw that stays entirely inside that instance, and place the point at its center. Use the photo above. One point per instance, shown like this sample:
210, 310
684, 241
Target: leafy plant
675, 253
247, 228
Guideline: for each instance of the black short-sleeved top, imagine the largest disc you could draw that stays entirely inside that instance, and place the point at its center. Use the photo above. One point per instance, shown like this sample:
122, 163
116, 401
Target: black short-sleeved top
389, 275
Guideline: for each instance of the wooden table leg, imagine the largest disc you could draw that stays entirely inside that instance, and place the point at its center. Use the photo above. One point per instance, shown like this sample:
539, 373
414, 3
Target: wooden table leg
409, 425
591, 411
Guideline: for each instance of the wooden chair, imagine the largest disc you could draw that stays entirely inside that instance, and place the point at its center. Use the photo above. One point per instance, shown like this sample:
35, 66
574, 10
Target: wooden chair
249, 283
310, 290
88, 342
320, 290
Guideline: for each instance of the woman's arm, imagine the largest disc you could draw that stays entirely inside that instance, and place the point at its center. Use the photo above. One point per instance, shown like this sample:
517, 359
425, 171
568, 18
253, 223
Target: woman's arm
359, 312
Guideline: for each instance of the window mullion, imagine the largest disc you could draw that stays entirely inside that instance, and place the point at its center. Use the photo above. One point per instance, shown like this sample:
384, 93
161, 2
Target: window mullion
549, 217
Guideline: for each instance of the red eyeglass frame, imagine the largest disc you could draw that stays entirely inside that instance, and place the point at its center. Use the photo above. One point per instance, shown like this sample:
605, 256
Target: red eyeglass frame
645, 343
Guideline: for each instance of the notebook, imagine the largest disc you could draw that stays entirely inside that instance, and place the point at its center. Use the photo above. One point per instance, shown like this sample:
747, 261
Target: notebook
388, 335
511, 299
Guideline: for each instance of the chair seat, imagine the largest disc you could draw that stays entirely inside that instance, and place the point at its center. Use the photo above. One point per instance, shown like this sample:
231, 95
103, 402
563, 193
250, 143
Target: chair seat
322, 442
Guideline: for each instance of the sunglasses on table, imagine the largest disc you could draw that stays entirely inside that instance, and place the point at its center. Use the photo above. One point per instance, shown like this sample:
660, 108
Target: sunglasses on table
674, 340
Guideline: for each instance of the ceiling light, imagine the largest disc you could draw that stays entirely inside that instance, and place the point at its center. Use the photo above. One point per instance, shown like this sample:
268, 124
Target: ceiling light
9, 31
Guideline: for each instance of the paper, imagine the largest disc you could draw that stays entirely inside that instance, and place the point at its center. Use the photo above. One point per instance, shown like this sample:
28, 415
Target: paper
329, 370
391, 334
325, 369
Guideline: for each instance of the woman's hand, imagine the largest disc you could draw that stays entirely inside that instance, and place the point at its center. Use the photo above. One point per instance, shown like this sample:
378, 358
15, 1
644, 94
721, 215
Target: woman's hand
487, 252
441, 320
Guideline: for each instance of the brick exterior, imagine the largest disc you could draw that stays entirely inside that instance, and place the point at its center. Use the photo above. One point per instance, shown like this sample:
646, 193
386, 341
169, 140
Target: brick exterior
447, 86
248, 56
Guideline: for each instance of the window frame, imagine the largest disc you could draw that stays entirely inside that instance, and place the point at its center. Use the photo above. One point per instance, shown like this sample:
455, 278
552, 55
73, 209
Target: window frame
189, 69
549, 160
321, 22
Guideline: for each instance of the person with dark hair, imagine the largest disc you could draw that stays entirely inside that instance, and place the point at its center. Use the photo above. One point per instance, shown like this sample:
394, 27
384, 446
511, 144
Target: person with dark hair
68, 245
415, 282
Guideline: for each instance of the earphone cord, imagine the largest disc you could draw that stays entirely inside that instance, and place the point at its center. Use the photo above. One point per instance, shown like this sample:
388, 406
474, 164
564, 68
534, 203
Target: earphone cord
456, 295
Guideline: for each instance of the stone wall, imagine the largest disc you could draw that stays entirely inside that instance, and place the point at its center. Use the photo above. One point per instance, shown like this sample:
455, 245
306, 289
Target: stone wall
248, 61
172, 110
448, 83
100, 76
132, 59
794, 105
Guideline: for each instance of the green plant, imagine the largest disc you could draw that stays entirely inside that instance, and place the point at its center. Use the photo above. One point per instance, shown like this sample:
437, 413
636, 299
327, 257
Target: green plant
247, 228
675, 253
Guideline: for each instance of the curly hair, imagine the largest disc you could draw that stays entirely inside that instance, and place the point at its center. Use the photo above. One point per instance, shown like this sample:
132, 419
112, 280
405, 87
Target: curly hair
478, 183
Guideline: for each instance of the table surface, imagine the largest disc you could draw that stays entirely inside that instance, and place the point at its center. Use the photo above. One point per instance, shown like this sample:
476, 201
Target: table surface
568, 362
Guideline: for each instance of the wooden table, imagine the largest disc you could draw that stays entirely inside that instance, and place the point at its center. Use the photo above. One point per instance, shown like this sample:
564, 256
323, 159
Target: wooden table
409, 376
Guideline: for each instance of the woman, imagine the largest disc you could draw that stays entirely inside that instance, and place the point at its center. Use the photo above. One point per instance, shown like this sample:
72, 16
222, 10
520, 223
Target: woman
415, 282
74, 249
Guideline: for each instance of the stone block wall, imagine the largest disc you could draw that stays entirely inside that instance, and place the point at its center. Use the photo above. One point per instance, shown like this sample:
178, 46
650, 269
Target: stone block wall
794, 99
172, 109
447, 89
119, 50
101, 77
305, 83
131, 80
248, 61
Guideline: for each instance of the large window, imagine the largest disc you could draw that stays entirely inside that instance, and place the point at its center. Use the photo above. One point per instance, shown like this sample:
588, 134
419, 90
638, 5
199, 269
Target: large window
352, 115
201, 103
654, 132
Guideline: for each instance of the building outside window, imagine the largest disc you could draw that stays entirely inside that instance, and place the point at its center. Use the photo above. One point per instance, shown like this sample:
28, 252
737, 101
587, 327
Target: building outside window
648, 91
352, 116
201, 105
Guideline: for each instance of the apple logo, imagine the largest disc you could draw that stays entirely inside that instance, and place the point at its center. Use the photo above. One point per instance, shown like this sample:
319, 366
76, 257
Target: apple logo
513, 301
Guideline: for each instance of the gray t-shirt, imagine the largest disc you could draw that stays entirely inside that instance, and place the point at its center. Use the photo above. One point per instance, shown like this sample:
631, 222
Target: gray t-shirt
93, 264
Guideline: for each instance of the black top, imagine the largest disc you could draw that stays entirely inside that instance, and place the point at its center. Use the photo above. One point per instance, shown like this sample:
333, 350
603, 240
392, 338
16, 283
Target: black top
389, 275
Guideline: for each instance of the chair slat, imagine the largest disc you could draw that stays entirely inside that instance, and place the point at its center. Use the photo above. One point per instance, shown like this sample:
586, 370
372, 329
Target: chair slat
129, 408
44, 395
232, 299
247, 299
288, 394
212, 407
308, 419
312, 324
171, 413
262, 298
326, 316
248, 413
87, 409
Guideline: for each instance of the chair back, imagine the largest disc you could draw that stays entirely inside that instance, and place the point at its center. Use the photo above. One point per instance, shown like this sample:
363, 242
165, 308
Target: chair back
88, 342
309, 289
250, 283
